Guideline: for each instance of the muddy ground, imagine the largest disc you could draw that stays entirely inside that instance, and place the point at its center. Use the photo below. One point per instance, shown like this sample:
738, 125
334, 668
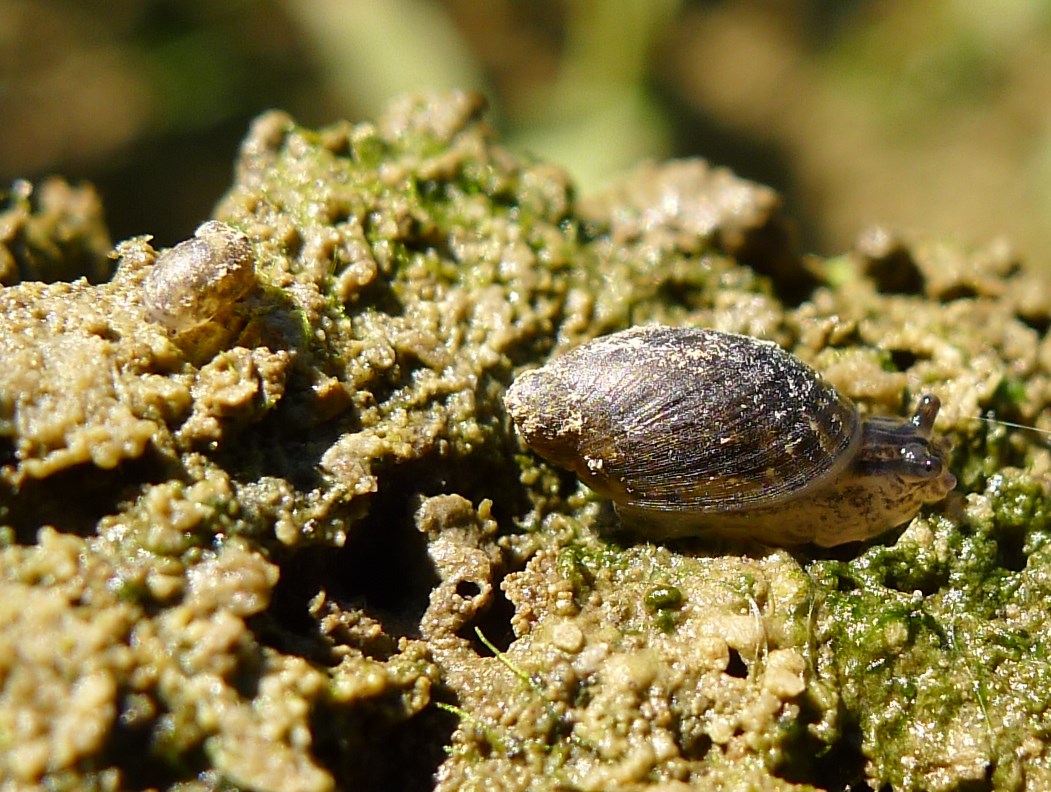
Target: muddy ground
289, 540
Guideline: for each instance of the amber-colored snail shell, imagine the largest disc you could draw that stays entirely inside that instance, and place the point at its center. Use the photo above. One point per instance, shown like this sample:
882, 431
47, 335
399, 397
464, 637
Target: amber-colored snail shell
692, 431
197, 279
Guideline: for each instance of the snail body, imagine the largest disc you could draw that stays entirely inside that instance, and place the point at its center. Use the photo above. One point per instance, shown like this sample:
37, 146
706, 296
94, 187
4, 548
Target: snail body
691, 431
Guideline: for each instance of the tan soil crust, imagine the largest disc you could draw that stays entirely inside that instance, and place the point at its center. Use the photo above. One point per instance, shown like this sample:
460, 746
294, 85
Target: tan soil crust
277, 549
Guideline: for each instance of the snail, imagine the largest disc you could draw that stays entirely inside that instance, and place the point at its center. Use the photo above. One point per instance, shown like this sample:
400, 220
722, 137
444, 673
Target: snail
192, 282
691, 431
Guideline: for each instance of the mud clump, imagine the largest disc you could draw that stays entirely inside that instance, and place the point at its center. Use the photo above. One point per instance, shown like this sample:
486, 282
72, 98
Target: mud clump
286, 539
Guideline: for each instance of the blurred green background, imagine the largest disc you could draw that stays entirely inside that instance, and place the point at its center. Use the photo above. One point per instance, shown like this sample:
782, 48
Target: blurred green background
925, 115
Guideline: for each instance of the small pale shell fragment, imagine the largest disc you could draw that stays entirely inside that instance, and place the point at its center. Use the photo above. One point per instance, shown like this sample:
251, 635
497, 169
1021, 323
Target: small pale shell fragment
193, 281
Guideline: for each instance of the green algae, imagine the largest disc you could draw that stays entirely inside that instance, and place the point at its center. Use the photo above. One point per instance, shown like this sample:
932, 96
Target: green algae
939, 645
309, 553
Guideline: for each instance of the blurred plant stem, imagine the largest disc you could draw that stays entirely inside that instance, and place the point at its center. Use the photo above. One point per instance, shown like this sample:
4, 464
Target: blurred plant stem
373, 50
597, 118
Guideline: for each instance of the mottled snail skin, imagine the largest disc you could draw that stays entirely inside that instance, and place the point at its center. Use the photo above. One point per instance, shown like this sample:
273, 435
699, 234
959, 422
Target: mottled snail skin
193, 281
693, 431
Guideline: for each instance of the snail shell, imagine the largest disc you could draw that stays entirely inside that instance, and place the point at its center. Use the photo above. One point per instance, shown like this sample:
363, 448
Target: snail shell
693, 431
193, 281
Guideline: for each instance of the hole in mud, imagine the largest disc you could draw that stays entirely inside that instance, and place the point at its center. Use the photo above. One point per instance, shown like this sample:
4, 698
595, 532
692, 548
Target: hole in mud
494, 623
413, 749
287, 624
737, 666
960, 291
468, 589
384, 567
903, 359
679, 293
696, 749
809, 760
134, 748
7, 449
980, 784
1041, 323
382, 577
907, 578
840, 767
1010, 550
845, 584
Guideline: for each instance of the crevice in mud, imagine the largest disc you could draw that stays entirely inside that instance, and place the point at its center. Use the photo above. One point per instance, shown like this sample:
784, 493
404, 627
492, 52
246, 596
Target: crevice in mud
1011, 551
736, 666
839, 766
287, 625
375, 588
413, 750
697, 749
494, 623
95, 492
383, 574
903, 359
909, 578
384, 568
